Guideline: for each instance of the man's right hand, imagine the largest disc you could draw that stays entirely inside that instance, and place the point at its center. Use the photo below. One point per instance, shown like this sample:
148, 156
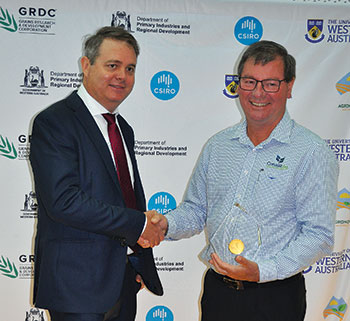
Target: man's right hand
155, 229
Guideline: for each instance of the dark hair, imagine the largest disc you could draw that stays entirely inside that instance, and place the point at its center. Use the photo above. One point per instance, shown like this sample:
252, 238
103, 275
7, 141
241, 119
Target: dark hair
265, 51
93, 43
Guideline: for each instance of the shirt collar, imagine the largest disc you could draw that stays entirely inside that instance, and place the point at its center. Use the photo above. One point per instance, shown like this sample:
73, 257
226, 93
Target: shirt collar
94, 107
281, 133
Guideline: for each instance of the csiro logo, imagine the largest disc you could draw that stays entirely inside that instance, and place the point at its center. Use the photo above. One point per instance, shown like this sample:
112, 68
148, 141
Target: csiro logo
7, 21
165, 85
159, 313
7, 149
162, 202
248, 30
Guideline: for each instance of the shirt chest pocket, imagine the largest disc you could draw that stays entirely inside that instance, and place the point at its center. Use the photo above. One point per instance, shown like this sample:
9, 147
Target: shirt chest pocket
274, 187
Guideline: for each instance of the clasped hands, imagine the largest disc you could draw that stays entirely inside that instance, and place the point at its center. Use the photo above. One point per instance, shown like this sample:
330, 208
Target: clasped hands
155, 229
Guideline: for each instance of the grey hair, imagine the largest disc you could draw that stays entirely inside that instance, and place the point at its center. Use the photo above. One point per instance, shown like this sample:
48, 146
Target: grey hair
93, 43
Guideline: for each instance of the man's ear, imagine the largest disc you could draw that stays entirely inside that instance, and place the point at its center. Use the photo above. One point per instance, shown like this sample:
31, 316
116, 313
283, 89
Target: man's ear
85, 64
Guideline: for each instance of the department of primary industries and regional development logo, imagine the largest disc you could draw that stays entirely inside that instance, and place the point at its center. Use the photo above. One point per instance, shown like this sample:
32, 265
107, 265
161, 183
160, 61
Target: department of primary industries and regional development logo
7, 148
314, 30
33, 82
34, 314
343, 85
165, 85
248, 30
7, 21
121, 19
30, 206
160, 313
343, 199
162, 202
34, 78
8, 268
231, 86
335, 307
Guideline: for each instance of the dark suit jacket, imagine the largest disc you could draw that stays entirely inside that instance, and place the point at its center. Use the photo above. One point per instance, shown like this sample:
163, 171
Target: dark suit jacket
83, 225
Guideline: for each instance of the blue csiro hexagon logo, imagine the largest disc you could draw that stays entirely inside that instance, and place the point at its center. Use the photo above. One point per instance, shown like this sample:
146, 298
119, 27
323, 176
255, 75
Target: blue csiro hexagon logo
159, 313
165, 85
248, 30
162, 202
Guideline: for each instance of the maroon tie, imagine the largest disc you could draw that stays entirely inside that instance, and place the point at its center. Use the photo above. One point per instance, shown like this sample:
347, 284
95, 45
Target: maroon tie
120, 161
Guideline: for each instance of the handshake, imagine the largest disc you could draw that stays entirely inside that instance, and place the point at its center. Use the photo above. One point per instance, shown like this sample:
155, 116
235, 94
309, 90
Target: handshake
155, 230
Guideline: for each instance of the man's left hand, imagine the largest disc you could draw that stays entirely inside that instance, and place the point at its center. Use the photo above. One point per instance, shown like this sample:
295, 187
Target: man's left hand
245, 270
139, 280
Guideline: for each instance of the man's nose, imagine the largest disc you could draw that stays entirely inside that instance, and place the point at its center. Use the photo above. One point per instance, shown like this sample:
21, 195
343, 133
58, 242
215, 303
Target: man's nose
259, 90
120, 73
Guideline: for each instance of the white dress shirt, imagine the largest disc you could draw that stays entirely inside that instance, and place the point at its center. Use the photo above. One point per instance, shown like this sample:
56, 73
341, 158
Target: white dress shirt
96, 110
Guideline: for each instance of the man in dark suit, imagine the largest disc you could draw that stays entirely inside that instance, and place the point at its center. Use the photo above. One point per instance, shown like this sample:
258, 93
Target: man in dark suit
91, 203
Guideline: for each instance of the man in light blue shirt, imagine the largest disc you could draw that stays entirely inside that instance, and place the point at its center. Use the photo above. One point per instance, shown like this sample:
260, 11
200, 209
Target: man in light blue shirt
264, 189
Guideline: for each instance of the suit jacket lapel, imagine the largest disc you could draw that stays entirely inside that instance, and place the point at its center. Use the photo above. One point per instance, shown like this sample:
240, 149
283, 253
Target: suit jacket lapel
94, 133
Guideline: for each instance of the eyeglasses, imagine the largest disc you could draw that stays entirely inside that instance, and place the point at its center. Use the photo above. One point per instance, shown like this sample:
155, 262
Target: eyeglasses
269, 85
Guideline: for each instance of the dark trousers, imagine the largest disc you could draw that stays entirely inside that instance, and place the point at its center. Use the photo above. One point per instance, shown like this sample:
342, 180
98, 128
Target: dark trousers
273, 301
123, 310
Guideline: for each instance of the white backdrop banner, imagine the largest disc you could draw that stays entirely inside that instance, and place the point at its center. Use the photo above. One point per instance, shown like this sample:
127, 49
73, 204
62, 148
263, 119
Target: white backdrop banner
185, 92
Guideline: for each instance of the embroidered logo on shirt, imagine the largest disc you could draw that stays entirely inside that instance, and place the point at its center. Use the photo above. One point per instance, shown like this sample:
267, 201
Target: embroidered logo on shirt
277, 165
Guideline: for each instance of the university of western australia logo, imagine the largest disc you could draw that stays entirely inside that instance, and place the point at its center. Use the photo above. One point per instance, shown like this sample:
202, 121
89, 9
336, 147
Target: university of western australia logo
231, 86
314, 30
343, 85
165, 85
7, 21
336, 307
248, 30
7, 148
121, 19
162, 202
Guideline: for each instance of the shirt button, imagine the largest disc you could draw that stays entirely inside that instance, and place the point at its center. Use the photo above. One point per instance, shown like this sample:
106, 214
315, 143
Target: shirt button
245, 172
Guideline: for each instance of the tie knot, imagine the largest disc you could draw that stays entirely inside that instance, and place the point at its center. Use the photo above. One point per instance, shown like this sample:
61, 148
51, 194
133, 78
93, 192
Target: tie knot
110, 118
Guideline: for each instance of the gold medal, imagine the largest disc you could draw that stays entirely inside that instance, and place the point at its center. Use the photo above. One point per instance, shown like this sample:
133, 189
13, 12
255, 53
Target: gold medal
236, 246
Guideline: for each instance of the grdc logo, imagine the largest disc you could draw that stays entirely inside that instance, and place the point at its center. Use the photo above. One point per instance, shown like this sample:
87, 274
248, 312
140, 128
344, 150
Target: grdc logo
37, 12
7, 149
7, 21
162, 202
8, 268
159, 313
165, 85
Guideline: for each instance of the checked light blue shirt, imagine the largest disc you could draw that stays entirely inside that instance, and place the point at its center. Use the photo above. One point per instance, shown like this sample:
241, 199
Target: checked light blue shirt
279, 198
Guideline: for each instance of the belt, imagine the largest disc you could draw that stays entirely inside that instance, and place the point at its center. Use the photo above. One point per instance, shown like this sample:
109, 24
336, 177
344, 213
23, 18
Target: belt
241, 285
